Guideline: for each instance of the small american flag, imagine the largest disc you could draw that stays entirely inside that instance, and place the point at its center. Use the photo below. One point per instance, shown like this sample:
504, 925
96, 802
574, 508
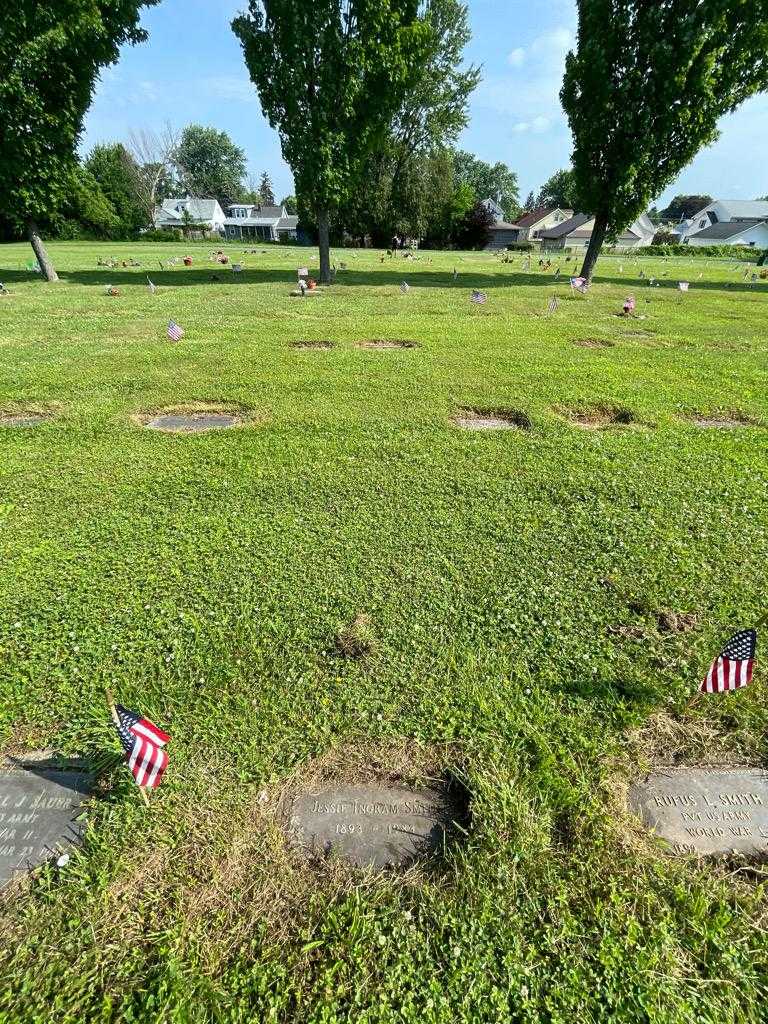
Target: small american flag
553, 304
175, 332
151, 287
303, 272
405, 287
579, 284
143, 743
479, 297
733, 667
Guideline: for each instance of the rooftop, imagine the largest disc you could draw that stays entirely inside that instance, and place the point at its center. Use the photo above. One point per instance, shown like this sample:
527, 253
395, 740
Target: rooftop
729, 229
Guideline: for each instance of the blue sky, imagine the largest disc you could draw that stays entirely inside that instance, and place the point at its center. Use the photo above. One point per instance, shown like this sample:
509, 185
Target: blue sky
191, 69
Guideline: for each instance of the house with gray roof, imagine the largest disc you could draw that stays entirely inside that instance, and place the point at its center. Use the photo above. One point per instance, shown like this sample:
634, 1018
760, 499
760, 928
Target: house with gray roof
576, 233
748, 231
718, 212
266, 223
180, 214
526, 228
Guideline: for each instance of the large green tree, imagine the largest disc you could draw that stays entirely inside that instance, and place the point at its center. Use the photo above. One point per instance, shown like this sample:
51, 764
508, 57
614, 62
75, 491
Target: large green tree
494, 181
644, 91
112, 166
50, 57
685, 206
210, 165
330, 76
402, 194
558, 190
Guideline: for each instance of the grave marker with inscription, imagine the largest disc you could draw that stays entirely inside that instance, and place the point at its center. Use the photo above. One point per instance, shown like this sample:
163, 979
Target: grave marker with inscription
375, 826
39, 808
706, 811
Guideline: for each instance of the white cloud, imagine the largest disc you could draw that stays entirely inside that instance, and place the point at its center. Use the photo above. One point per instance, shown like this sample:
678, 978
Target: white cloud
517, 58
537, 125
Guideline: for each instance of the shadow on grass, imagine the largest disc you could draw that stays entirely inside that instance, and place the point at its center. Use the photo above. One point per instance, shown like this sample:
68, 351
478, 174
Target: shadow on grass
415, 275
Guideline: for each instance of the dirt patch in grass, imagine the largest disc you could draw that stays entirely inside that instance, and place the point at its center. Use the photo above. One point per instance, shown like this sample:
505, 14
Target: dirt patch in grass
194, 417
307, 346
594, 342
689, 740
357, 639
722, 421
491, 419
676, 622
26, 414
386, 343
597, 417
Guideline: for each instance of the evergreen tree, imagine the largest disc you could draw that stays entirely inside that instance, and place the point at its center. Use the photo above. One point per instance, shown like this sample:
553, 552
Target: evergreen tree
266, 191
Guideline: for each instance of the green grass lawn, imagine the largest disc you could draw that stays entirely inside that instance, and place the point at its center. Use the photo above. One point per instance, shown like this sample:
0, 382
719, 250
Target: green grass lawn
515, 582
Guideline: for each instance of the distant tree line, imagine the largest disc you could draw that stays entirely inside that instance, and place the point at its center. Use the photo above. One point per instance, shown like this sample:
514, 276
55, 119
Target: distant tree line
368, 101
114, 191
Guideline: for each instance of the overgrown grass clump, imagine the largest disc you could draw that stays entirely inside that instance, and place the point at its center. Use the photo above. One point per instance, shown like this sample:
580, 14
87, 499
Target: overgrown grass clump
346, 570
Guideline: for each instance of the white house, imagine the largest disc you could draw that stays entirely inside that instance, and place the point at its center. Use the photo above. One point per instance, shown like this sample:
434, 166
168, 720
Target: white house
268, 223
176, 213
493, 207
718, 213
576, 233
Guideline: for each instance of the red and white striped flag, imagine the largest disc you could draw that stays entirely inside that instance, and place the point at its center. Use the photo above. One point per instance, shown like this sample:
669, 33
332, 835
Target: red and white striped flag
143, 743
175, 331
733, 667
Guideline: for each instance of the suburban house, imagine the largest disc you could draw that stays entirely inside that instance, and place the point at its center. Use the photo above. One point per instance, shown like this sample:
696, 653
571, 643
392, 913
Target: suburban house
541, 219
576, 232
205, 214
493, 207
267, 223
526, 228
727, 222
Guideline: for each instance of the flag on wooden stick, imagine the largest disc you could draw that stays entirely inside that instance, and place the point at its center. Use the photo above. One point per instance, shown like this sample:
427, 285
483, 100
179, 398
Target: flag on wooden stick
553, 304
143, 743
480, 298
579, 284
405, 287
733, 667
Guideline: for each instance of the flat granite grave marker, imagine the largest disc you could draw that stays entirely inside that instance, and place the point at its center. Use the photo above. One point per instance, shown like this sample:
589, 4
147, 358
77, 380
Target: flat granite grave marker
193, 423
376, 826
706, 811
39, 808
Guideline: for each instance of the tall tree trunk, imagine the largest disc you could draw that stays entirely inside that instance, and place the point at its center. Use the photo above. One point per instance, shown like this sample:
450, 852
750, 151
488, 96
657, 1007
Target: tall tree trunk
39, 250
595, 245
324, 241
